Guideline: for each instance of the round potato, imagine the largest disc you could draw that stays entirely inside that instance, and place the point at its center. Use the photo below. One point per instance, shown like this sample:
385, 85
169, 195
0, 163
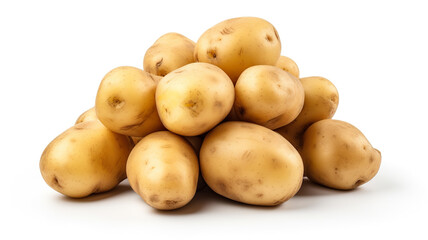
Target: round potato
321, 101
87, 158
193, 99
88, 115
169, 52
239, 43
337, 155
268, 96
163, 169
249, 163
125, 102
287, 64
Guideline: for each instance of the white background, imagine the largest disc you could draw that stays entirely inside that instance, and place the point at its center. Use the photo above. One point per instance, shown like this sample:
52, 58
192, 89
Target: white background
53, 56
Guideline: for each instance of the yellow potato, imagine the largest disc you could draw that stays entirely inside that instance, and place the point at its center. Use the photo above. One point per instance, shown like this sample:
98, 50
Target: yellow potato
169, 52
88, 115
193, 99
268, 96
163, 169
87, 158
321, 101
337, 155
287, 64
239, 43
251, 164
125, 102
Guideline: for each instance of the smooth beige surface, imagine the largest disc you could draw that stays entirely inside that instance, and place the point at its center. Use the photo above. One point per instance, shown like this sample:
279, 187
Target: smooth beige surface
88, 115
268, 96
321, 102
163, 169
287, 64
87, 158
239, 43
125, 102
193, 99
336, 154
251, 164
169, 52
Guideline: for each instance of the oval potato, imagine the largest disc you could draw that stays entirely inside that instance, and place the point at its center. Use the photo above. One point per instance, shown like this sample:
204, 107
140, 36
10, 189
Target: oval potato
163, 169
87, 158
337, 155
251, 164
239, 43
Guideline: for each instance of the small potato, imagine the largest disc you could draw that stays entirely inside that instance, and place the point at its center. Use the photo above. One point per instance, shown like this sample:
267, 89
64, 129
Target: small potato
169, 52
337, 155
288, 65
163, 169
268, 96
87, 158
239, 43
251, 164
321, 101
89, 115
193, 99
125, 102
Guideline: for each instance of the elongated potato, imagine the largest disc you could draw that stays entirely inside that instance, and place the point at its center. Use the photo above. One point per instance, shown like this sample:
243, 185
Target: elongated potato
321, 101
169, 52
287, 64
87, 158
193, 99
337, 155
163, 169
268, 96
239, 43
125, 102
251, 164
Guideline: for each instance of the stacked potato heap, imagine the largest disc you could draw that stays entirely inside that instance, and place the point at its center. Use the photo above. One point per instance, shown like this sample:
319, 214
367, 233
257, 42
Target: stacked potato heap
229, 110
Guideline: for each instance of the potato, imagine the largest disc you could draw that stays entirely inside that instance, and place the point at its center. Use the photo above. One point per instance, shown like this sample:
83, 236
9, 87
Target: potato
239, 43
88, 115
169, 52
249, 163
125, 102
87, 158
268, 96
193, 99
288, 65
321, 101
163, 169
337, 155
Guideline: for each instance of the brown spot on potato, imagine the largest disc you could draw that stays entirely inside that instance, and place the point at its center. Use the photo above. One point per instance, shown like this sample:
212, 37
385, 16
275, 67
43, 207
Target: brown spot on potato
212, 53
259, 181
241, 111
259, 195
358, 183
247, 154
346, 145
115, 102
73, 140
364, 147
371, 159
154, 198
273, 120
268, 38
245, 184
218, 104
222, 186
241, 51
159, 63
226, 30
153, 167
171, 203
213, 149
55, 182
276, 34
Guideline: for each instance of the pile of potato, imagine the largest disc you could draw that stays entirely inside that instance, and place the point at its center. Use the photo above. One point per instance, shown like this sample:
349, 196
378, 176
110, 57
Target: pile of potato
227, 111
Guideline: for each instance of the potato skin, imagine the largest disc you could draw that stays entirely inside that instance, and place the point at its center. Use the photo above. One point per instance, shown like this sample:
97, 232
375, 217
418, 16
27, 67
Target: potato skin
193, 99
268, 96
239, 43
337, 155
88, 115
125, 102
87, 158
169, 52
321, 102
163, 169
287, 64
251, 164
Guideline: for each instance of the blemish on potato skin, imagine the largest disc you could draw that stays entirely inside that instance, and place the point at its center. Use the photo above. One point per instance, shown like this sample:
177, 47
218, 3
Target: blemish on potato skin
115, 102
213, 149
159, 63
154, 198
212, 53
241, 51
218, 104
55, 182
276, 34
268, 38
358, 183
226, 30
241, 111
170, 203
245, 184
259, 195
